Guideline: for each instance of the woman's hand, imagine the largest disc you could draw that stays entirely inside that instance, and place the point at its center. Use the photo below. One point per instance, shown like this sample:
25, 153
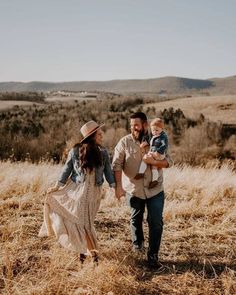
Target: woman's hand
53, 189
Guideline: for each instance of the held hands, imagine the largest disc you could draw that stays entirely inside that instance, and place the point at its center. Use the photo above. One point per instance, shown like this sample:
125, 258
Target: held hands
119, 192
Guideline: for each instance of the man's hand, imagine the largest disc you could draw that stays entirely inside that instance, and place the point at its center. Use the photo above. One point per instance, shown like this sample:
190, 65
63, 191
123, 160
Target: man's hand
143, 144
148, 159
119, 192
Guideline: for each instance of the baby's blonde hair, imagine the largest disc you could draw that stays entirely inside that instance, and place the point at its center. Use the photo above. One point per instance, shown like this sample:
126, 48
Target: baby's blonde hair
158, 122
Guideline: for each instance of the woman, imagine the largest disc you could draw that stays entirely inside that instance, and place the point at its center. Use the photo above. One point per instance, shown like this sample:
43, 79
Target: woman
71, 206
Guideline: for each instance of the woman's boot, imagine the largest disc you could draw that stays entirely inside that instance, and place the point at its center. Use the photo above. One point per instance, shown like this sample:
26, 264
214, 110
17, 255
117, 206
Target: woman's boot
82, 258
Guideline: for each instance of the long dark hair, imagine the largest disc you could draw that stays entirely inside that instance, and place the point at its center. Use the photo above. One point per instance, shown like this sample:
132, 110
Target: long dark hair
90, 155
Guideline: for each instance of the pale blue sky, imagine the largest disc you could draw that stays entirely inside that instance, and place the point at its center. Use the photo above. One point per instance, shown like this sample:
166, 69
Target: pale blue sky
75, 40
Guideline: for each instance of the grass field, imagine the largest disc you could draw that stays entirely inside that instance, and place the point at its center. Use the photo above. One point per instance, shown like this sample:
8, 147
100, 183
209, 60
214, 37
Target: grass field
214, 108
8, 104
198, 247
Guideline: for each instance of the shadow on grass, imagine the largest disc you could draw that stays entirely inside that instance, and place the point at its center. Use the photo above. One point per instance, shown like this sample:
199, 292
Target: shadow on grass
106, 223
205, 269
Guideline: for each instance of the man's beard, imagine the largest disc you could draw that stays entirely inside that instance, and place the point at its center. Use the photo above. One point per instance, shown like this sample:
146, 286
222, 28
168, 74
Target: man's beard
138, 134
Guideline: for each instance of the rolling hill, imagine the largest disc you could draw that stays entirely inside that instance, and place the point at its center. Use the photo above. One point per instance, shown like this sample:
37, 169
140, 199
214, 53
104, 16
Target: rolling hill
164, 85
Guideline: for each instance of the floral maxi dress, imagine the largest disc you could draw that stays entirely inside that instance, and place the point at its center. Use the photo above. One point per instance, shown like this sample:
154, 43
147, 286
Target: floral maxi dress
69, 214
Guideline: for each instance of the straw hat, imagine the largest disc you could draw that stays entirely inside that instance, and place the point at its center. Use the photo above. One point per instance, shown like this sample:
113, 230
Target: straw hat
89, 128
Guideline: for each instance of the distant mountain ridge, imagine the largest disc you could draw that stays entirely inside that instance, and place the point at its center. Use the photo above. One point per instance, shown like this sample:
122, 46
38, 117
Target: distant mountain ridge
170, 85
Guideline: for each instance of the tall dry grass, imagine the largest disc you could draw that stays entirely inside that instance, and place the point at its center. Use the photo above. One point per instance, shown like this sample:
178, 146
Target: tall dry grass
198, 247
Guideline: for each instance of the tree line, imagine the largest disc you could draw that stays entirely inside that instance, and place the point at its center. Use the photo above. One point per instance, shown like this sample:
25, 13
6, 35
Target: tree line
43, 132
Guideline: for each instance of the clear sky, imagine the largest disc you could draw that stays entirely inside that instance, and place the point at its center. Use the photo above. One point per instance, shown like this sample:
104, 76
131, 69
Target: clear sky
75, 40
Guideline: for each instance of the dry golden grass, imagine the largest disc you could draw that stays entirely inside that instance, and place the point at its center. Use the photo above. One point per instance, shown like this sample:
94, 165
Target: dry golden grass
198, 247
214, 108
8, 104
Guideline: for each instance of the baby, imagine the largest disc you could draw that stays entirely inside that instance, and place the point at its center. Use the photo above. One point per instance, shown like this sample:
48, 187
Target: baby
158, 148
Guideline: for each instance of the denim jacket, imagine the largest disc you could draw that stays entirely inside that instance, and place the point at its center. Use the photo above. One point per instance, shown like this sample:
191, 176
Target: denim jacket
73, 170
159, 143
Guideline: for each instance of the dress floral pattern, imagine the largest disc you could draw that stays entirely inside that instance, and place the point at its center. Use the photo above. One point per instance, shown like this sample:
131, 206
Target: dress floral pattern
69, 214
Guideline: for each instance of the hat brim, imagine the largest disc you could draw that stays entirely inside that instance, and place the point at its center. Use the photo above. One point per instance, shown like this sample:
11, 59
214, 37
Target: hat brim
93, 131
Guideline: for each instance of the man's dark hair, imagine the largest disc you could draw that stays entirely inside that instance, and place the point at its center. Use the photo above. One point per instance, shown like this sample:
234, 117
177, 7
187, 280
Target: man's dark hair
139, 115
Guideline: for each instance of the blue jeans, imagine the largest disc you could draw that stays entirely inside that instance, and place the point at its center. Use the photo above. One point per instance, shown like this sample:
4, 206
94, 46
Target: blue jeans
155, 207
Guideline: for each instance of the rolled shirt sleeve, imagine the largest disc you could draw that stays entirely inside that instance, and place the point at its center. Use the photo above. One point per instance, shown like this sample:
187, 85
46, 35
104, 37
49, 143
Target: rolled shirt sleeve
119, 156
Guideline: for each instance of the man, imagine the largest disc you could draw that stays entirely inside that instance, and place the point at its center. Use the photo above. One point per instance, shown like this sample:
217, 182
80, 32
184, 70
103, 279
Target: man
127, 158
